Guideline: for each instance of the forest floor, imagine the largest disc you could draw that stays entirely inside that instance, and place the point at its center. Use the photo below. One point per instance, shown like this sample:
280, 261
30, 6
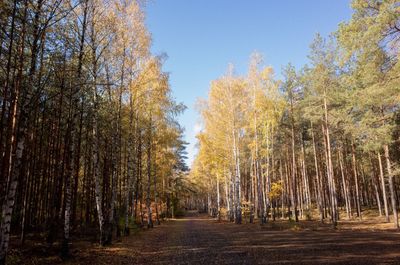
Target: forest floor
197, 239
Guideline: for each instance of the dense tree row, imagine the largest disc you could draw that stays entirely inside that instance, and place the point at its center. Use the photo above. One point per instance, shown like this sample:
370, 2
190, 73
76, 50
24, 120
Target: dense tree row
88, 134
324, 140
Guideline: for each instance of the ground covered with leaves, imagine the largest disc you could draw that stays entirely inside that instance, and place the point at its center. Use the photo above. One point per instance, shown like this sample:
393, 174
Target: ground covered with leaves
197, 239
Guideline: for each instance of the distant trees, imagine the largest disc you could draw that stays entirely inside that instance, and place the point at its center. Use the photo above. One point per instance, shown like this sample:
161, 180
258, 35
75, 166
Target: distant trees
237, 108
326, 137
86, 110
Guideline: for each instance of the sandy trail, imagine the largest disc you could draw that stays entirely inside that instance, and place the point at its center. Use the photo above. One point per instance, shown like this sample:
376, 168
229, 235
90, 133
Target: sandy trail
197, 239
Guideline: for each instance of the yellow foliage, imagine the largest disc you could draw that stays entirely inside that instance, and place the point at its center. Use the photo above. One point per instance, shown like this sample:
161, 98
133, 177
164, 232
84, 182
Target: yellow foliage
276, 190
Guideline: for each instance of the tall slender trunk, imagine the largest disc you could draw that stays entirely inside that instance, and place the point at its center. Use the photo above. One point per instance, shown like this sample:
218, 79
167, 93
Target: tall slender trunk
236, 156
305, 180
267, 177
358, 204
96, 169
330, 173
345, 189
67, 212
382, 178
232, 216
148, 201
96, 143
130, 165
252, 191
319, 188
378, 200
227, 195
283, 189
289, 185
19, 134
294, 185
7, 79
156, 191
70, 140
73, 163
391, 186
218, 201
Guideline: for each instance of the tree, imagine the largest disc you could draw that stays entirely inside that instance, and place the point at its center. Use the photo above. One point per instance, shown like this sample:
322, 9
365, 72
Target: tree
369, 40
77, 77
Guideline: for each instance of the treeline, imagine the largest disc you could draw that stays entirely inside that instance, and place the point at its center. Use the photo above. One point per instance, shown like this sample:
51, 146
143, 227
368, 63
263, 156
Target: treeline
324, 140
88, 137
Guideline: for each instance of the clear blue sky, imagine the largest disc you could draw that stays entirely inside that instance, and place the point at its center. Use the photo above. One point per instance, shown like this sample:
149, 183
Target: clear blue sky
201, 37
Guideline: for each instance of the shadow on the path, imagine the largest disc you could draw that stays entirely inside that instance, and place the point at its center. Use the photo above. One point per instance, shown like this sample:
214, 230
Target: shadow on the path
196, 239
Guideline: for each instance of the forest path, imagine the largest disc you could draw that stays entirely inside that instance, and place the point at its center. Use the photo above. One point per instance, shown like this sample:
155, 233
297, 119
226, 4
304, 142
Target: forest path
197, 239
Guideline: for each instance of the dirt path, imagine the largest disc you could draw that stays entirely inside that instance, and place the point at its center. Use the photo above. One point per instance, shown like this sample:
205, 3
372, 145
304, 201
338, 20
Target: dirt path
199, 240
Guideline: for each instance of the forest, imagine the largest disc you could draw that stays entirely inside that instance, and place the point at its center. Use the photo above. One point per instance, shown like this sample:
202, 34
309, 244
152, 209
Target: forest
89, 136
91, 147
324, 139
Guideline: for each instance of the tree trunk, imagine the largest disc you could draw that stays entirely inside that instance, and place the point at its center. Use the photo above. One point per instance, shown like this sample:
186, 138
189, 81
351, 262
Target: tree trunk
358, 204
218, 201
382, 178
294, 182
330, 173
148, 201
227, 197
156, 193
236, 156
345, 189
319, 196
391, 186
18, 134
